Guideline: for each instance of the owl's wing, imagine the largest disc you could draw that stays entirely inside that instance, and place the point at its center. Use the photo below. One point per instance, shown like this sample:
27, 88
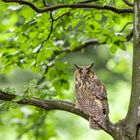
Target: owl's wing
83, 101
100, 90
102, 95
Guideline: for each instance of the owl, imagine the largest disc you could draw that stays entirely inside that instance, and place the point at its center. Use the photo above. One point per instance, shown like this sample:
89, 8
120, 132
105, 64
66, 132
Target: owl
91, 96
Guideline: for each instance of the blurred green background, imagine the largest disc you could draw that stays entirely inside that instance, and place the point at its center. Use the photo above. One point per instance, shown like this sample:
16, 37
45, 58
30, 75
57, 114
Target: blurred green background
114, 71
112, 64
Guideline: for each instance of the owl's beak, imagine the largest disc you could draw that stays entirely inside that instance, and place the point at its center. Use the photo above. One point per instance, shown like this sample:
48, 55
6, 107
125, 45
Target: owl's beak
84, 78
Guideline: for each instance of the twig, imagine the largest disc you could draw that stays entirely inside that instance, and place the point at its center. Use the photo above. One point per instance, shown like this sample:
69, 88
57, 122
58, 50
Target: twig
48, 37
33, 126
45, 4
65, 14
66, 50
47, 66
82, 5
88, 1
51, 30
128, 23
129, 36
86, 44
128, 3
114, 3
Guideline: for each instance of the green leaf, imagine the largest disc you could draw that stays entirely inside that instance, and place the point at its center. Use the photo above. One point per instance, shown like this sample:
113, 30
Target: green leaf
59, 65
65, 84
33, 83
97, 25
113, 48
98, 16
122, 46
5, 106
18, 98
9, 90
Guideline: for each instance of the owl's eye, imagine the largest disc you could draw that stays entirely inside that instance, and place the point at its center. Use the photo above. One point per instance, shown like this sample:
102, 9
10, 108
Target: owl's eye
88, 71
80, 71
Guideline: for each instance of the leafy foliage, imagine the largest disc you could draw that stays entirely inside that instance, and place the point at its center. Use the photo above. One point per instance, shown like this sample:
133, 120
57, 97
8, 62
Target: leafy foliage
40, 42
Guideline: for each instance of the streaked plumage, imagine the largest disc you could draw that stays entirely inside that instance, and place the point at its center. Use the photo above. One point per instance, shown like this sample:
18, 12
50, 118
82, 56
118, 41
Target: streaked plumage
91, 97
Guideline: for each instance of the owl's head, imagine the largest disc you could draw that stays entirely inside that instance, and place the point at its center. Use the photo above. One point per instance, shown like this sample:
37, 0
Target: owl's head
84, 72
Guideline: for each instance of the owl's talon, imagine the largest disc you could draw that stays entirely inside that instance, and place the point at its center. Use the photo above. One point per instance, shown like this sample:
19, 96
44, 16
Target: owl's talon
77, 107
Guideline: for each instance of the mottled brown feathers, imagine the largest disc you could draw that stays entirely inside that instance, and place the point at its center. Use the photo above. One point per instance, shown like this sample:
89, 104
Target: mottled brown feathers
91, 97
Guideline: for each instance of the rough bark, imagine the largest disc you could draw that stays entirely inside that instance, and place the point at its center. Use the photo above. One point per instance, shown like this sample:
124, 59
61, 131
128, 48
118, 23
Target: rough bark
129, 128
133, 116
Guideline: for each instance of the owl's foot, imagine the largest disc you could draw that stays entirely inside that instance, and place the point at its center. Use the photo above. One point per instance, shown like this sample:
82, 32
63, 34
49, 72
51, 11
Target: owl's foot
77, 107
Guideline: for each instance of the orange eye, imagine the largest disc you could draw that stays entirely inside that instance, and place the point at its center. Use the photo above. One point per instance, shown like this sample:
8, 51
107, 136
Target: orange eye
80, 72
88, 71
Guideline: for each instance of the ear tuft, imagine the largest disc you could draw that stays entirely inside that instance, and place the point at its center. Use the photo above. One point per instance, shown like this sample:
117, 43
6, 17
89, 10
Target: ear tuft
90, 66
77, 66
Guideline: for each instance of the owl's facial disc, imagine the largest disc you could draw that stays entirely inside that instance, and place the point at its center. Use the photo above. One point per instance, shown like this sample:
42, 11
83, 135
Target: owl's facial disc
86, 74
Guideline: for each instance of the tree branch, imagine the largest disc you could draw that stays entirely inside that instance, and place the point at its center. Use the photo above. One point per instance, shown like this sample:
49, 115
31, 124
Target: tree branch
46, 104
129, 36
45, 4
128, 23
79, 5
128, 3
48, 37
65, 14
35, 125
66, 50
88, 1
53, 105
133, 114
51, 30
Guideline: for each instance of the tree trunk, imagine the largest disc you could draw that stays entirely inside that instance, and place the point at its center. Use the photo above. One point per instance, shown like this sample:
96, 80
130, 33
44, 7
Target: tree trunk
129, 128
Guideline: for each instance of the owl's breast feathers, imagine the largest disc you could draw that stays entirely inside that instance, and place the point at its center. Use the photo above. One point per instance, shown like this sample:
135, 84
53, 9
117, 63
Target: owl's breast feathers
91, 97
91, 88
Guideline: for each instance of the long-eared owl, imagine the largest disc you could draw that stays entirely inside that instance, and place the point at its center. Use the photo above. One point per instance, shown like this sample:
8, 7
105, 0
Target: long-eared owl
91, 96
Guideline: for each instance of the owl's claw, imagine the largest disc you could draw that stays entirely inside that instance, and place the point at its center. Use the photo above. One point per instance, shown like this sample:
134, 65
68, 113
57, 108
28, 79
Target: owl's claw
76, 107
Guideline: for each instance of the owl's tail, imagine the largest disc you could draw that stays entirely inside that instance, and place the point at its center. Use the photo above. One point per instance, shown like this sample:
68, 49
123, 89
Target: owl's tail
93, 124
98, 124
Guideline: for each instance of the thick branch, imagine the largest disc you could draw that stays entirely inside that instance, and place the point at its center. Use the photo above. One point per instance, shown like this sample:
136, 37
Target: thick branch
52, 105
77, 5
46, 104
133, 115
